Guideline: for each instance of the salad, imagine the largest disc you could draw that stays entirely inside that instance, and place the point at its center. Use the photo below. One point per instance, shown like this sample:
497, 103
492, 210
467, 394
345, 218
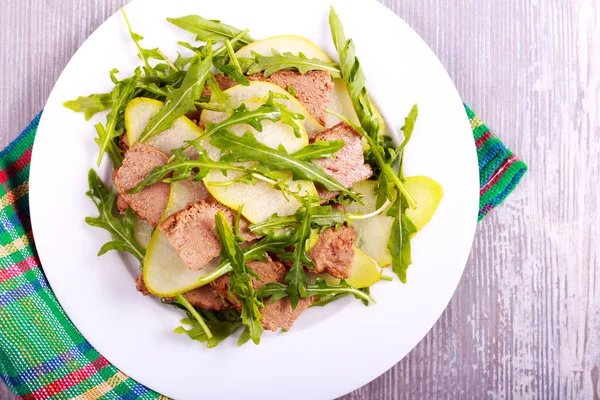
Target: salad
253, 179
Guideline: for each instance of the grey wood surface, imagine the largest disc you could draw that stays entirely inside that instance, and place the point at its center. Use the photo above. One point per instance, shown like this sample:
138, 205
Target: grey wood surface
525, 320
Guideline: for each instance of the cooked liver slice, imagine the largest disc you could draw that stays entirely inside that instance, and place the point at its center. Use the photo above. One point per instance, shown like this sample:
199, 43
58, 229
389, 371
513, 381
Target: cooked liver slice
150, 203
281, 315
348, 166
140, 285
312, 89
275, 316
203, 297
192, 233
124, 142
334, 252
206, 297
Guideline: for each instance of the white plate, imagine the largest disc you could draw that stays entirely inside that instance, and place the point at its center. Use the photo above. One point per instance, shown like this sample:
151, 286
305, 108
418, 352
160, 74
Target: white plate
330, 351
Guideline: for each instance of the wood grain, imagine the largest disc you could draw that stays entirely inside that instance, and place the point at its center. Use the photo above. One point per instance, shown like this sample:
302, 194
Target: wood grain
525, 320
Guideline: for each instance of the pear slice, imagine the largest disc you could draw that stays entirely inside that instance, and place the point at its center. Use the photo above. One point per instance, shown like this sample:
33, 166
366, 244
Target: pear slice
183, 193
339, 99
283, 43
165, 273
259, 90
138, 113
372, 234
428, 194
365, 270
330, 279
259, 200
142, 232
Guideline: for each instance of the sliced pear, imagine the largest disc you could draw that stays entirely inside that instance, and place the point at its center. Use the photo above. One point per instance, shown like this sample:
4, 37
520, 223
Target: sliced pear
165, 273
284, 43
259, 200
184, 193
313, 239
428, 194
240, 94
340, 102
138, 113
331, 280
365, 270
372, 234
142, 232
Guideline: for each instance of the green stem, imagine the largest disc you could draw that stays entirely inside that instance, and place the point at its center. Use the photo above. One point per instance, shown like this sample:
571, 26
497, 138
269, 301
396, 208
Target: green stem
135, 41
343, 290
181, 299
355, 217
218, 272
232, 56
169, 63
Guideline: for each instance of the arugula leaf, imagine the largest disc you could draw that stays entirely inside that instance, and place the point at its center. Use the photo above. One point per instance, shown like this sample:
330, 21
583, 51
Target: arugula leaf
183, 301
233, 70
355, 79
120, 229
322, 291
240, 278
90, 105
121, 95
297, 285
222, 324
270, 110
277, 62
408, 128
112, 149
143, 54
399, 241
248, 148
209, 30
218, 98
321, 217
371, 123
319, 149
402, 228
219, 52
152, 90
181, 100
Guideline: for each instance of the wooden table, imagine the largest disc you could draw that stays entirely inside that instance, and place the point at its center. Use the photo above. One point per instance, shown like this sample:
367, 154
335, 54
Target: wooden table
525, 320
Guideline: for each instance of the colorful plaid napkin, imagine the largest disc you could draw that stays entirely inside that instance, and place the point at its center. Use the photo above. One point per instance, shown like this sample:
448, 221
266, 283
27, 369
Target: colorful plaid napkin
43, 355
